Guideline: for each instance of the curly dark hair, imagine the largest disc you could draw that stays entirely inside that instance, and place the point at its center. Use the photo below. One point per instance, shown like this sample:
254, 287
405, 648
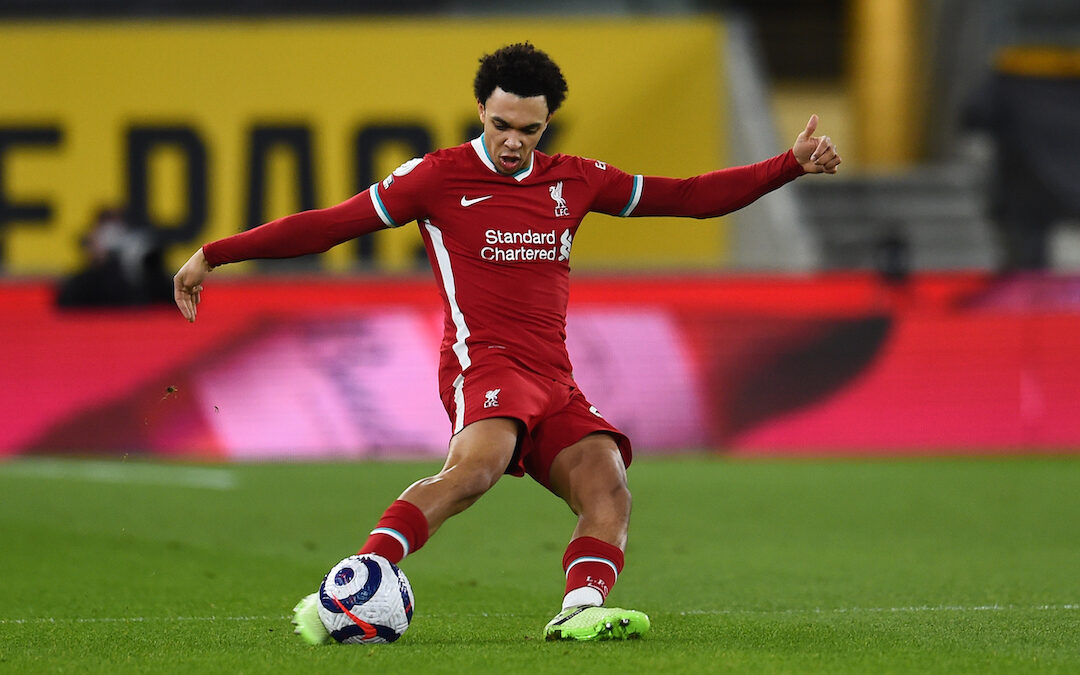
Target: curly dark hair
523, 70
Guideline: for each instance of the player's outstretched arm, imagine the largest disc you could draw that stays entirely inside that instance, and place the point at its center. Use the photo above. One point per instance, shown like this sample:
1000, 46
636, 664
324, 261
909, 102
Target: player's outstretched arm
816, 154
720, 192
187, 284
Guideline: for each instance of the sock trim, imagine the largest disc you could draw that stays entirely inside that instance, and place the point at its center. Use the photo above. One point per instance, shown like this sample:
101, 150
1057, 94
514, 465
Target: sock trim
589, 558
391, 532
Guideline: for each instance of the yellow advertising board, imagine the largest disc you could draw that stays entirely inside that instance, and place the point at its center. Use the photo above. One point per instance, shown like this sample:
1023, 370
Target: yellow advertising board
206, 128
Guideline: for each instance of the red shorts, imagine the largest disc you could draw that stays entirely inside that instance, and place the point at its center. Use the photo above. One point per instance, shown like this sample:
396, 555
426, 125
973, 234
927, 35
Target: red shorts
555, 415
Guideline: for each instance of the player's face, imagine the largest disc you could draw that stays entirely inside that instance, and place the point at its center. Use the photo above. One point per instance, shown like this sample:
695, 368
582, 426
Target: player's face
512, 128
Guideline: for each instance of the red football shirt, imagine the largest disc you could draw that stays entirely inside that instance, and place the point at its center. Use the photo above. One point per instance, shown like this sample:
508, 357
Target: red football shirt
500, 245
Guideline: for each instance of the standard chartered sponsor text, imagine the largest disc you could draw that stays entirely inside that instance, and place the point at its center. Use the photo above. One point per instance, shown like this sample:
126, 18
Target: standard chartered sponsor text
526, 246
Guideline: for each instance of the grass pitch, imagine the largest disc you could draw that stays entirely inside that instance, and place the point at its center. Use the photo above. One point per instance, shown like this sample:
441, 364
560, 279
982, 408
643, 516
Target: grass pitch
916, 566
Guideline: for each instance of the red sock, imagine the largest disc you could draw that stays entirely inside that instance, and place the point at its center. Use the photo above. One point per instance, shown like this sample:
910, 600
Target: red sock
591, 563
402, 530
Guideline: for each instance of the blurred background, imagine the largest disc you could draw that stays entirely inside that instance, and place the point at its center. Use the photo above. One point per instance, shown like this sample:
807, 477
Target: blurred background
925, 300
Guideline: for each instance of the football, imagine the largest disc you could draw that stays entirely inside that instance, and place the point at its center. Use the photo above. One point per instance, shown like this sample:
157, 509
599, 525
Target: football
365, 599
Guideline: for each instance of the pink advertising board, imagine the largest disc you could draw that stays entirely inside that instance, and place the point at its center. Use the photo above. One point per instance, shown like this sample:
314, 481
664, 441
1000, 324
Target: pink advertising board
288, 369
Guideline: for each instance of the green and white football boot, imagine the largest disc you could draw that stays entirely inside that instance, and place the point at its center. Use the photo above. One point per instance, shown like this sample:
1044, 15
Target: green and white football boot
308, 624
597, 623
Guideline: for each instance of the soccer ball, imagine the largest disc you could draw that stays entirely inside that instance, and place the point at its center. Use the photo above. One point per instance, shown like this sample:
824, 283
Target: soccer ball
365, 599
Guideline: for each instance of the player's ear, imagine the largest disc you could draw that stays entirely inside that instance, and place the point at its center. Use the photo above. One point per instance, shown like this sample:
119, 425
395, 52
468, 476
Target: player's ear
480, 110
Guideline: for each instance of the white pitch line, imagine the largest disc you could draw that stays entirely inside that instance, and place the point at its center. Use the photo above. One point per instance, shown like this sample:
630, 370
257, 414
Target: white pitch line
693, 612
121, 472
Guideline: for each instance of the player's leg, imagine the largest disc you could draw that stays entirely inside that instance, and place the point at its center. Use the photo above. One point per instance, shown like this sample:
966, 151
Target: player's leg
478, 456
590, 476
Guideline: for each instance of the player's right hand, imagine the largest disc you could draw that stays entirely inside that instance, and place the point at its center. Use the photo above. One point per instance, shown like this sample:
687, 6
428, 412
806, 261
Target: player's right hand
187, 284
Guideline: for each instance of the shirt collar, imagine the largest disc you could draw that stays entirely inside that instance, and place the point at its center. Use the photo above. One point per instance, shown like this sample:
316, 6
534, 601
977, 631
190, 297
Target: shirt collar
481, 151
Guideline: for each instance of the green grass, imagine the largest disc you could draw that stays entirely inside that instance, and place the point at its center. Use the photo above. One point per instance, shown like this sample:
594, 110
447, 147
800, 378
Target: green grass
915, 566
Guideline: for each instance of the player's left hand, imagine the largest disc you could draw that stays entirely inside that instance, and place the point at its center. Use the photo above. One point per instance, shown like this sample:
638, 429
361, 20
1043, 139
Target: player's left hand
816, 154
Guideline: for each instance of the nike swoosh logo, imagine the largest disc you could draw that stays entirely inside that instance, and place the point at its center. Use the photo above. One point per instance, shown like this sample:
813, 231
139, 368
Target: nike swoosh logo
465, 201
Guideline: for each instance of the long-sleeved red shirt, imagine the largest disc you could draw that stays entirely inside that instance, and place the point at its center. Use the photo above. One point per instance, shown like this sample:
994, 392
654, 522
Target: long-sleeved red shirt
499, 245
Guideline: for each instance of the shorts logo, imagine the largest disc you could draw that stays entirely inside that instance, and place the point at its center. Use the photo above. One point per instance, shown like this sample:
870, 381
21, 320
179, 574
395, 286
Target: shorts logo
560, 203
491, 398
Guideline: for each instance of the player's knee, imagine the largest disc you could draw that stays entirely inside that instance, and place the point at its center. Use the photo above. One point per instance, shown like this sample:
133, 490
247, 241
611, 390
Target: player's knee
618, 498
469, 481
608, 482
599, 486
